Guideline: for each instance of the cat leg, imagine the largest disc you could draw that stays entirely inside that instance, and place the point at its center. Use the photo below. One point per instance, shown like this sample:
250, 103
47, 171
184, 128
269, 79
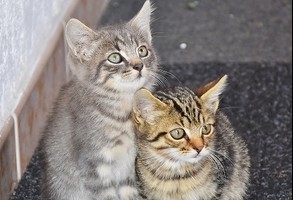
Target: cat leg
129, 193
107, 194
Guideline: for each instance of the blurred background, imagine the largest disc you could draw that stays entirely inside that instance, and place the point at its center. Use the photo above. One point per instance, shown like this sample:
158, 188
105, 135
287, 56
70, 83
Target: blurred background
197, 41
216, 30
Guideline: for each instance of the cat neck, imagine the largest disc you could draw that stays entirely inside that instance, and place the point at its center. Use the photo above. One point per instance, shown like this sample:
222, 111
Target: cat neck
115, 102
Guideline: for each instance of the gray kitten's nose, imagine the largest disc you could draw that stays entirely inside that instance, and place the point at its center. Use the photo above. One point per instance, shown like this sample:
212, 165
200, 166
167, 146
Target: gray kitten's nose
138, 67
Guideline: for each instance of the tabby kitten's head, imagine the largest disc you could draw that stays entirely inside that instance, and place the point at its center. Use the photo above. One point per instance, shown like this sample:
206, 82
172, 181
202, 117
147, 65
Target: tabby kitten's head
178, 124
117, 57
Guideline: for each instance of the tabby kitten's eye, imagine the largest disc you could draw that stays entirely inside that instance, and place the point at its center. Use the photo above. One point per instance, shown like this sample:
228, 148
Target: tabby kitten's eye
177, 134
115, 58
206, 130
143, 51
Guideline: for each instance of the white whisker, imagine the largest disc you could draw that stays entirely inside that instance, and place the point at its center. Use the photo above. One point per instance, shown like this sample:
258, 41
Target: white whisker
162, 81
225, 156
218, 163
164, 72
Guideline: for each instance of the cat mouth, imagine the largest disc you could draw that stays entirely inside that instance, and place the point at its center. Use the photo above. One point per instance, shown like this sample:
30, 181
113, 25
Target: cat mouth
137, 79
139, 76
195, 157
133, 77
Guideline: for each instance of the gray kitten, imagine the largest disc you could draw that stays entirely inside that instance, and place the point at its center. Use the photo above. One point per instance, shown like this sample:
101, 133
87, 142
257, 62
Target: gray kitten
88, 150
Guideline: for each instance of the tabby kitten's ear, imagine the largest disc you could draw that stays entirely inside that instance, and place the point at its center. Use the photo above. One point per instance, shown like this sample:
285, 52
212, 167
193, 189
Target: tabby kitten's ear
80, 39
147, 108
142, 20
210, 93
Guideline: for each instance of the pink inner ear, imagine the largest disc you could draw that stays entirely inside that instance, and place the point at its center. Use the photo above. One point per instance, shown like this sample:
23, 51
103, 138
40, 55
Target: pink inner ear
202, 90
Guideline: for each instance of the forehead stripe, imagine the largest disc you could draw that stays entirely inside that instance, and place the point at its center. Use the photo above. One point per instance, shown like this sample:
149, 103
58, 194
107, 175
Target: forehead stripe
133, 40
116, 45
119, 40
177, 105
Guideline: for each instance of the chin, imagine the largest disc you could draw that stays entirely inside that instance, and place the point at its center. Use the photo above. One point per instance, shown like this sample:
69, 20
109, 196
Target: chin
132, 85
193, 159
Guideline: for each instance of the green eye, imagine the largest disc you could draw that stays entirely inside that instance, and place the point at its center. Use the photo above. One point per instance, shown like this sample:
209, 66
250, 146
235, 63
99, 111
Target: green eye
177, 134
115, 58
143, 51
206, 130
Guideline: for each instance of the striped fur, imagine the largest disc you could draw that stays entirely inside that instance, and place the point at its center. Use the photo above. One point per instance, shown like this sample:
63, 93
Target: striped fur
170, 169
88, 146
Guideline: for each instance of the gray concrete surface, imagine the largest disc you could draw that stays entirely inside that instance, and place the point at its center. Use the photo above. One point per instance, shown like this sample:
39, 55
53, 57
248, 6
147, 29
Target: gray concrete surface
216, 30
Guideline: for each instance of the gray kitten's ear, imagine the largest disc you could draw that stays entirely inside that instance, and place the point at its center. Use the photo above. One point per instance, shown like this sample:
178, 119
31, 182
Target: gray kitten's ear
80, 39
147, 108
210, 93
142, 20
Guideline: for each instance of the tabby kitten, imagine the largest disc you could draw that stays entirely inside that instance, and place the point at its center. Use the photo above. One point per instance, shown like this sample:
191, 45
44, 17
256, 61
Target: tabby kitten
187, 149
88, 146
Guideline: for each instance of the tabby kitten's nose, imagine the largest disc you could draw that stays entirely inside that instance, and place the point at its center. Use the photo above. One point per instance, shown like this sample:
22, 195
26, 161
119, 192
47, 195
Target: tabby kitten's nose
197, 144
138, 67
199, 149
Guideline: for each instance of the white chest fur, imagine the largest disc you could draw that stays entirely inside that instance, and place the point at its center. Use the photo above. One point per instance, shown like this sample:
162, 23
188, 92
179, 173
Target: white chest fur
121, 157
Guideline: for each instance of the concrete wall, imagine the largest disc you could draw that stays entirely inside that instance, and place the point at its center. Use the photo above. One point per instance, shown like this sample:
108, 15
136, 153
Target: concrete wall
26, 27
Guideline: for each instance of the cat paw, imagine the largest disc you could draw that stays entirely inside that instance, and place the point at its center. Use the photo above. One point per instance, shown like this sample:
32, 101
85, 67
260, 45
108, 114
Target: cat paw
128, 193
109, 198
109, 194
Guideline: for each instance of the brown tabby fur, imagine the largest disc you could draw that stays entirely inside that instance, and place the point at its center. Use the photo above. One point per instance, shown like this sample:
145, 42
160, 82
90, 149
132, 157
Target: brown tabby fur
197, 166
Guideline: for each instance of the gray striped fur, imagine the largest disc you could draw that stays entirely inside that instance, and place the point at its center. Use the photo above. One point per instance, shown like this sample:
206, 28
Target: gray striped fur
88, 146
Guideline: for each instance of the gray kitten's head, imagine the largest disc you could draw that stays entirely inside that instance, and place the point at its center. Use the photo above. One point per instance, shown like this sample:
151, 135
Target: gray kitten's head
118, 57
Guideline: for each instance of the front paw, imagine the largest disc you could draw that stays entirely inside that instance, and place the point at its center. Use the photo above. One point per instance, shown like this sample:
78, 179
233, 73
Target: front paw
109, 197
109, 194
129, 193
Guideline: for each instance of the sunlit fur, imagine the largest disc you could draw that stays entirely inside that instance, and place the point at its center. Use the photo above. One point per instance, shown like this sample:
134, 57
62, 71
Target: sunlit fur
170, 169
88, 146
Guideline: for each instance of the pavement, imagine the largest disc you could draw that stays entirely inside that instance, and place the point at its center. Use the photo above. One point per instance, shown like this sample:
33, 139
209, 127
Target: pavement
251, 41
215, 30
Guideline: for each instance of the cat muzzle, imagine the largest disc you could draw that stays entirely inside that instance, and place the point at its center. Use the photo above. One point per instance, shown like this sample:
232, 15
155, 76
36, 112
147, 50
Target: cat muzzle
138, 67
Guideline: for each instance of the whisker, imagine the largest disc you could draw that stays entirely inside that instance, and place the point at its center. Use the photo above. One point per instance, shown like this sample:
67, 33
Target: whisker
211, 158
164, 72
158, 73
218, 162
160, 82
225, 156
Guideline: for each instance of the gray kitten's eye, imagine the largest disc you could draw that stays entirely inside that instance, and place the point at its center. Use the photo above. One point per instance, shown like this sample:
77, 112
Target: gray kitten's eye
177, 134
206, 130
115, 58
143, 51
